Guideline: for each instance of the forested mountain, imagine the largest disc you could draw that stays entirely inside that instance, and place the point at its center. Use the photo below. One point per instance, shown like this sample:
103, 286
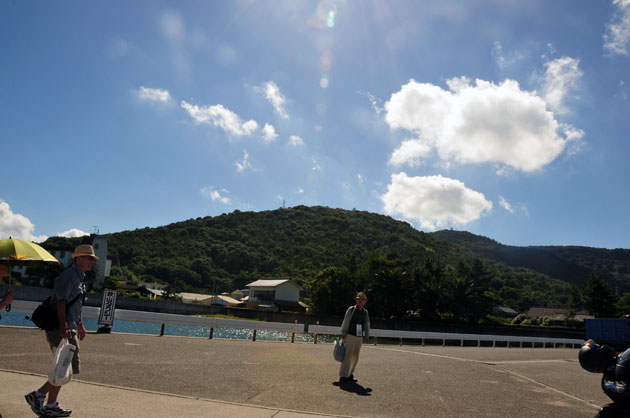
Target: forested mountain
572, 264
323, 249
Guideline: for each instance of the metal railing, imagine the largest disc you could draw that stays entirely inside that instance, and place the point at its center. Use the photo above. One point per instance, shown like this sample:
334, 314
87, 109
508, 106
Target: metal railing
423, 336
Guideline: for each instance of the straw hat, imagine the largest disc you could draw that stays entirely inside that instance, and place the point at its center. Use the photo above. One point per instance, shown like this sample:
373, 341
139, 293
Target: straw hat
84, 250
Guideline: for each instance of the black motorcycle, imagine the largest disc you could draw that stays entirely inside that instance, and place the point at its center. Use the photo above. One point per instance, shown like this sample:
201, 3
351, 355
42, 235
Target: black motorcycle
599, 358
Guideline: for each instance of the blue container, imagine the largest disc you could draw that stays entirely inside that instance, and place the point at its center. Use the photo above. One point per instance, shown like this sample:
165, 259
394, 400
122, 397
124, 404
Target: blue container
608, 330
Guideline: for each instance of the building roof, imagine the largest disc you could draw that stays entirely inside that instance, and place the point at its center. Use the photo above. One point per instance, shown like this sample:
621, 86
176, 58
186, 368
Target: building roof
192, 297
557, 314
507, 310
272, 283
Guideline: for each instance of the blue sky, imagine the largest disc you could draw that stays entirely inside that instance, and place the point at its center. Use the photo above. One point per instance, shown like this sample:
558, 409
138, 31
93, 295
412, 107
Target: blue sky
508, 119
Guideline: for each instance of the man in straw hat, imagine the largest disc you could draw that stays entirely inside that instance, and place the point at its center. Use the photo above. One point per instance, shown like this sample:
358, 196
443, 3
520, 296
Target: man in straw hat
355, 330
69, 295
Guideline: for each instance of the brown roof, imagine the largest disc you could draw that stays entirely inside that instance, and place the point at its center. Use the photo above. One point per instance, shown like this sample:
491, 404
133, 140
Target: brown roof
555, 314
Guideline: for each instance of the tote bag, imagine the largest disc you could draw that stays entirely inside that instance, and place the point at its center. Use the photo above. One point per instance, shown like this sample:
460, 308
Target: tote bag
339, 351
61, 369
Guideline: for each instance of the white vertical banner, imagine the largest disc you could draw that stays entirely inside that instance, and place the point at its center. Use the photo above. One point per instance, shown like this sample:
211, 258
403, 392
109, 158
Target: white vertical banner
108, 307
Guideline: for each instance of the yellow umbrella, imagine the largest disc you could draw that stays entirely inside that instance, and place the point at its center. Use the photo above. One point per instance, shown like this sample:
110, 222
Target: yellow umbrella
15, 251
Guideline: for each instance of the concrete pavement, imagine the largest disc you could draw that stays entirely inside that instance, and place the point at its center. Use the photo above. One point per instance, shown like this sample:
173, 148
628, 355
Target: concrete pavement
148, 376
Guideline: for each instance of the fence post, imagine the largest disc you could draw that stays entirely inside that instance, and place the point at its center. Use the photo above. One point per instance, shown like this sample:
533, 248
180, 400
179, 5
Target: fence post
375, 337
211, 332
254, 337
293, 333
162, 330
400, 340
315, 335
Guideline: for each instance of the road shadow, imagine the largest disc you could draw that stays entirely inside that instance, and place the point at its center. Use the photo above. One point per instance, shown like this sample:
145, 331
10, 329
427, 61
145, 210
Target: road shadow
354, 388
613, 410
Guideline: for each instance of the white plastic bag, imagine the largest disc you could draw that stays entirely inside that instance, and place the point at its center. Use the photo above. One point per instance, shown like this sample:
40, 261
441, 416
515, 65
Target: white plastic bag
61, 369
339, 352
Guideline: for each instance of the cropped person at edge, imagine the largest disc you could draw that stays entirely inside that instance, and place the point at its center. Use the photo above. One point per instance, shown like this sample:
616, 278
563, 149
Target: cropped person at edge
5, 270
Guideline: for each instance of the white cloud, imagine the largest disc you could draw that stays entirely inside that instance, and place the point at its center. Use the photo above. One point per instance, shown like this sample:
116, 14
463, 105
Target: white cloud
617, 35
295, 141
218, 115
16, 226
269, 133
561, 76
477, 123
172, 26
410, 152
497, 51
72, 233
502, 61
505, 204
153, 95
360, 178
434, 201
243, 165
273, 95
213, 194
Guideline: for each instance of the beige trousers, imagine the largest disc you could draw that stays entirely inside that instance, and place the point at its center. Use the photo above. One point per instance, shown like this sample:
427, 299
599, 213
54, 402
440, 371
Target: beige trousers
353, 348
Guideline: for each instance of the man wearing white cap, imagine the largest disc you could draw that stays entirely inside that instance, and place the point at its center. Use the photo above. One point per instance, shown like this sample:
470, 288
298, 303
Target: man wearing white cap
68, 294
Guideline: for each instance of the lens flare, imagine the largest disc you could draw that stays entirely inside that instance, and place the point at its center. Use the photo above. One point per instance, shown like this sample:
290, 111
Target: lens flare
323, 81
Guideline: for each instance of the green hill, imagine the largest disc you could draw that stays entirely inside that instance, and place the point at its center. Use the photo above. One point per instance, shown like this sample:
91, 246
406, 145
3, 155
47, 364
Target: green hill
226, 252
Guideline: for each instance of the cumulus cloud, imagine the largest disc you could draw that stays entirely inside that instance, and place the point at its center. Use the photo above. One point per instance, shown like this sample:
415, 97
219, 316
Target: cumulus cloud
295, 141
269, 133
477, 123
153, 95
433, 201
505, 204
617, 35
16, 226
213, 194
273, 95
410, 152
72, 233
218, 115
244, 164
561, 76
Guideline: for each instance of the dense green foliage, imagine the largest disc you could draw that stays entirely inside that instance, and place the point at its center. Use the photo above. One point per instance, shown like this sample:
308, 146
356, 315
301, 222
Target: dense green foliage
333, 253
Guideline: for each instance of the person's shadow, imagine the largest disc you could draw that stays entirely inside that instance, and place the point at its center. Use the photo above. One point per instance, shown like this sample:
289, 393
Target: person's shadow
354, 387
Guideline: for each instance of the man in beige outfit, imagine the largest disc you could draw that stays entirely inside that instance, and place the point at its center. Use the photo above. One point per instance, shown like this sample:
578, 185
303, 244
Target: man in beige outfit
355, 330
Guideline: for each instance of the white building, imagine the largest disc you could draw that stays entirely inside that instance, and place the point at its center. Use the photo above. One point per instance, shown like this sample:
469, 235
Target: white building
282, 292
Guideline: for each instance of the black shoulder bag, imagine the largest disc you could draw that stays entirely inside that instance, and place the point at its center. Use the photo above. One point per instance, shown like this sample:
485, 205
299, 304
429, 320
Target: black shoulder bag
45, 315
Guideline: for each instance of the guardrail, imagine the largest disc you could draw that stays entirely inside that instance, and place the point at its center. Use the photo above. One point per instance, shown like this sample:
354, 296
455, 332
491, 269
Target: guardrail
172, 319
422, 336
209, 322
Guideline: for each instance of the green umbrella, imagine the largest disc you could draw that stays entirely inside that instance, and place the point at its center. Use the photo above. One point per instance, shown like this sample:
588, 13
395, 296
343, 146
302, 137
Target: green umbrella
15, 251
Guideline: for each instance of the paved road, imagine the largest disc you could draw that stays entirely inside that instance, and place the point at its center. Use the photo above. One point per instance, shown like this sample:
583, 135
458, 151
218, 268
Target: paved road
149, 376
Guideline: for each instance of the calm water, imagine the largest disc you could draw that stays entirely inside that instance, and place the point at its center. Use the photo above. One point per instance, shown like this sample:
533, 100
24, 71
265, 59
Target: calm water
91, 324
